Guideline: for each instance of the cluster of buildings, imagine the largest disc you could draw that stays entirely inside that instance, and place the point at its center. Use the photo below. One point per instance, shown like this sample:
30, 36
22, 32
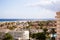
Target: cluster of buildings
5, 25
20, 33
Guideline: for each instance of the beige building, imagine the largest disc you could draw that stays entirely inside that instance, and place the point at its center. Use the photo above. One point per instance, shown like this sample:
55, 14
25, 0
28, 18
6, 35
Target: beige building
58, 25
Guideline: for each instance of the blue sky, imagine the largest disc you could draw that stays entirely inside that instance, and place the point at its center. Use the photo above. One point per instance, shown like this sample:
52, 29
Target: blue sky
27, 9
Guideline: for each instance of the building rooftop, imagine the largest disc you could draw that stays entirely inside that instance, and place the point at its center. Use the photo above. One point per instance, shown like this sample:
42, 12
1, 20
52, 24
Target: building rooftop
58, 13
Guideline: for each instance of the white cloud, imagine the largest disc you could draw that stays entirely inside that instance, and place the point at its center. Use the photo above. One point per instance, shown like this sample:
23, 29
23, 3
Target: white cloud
41, 2
48, 4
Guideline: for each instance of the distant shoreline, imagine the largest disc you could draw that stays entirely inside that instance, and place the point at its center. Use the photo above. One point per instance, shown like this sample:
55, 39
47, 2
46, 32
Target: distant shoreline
1, 20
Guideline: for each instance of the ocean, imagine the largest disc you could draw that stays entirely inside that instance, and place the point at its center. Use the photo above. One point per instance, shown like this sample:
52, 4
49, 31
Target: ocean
2, 20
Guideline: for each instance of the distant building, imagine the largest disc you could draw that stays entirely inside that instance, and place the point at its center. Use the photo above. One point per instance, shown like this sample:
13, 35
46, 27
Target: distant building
35, 30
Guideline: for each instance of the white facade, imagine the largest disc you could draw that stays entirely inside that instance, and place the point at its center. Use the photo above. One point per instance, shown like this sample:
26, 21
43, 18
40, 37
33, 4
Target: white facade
26, 35
20, 35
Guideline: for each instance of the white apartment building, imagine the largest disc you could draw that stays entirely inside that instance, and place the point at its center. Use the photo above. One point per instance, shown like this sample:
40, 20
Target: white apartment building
17, 35
20, 35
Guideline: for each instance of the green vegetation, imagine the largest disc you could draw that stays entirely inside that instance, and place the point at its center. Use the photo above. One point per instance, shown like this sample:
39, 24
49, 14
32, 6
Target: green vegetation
42, 24
53, 32
7, 36
11, 28
45, 30
39, 36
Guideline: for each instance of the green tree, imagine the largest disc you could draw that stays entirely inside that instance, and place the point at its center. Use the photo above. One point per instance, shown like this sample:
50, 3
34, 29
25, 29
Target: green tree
39, 36
45, 30
11, 28
7, 36
53, 32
